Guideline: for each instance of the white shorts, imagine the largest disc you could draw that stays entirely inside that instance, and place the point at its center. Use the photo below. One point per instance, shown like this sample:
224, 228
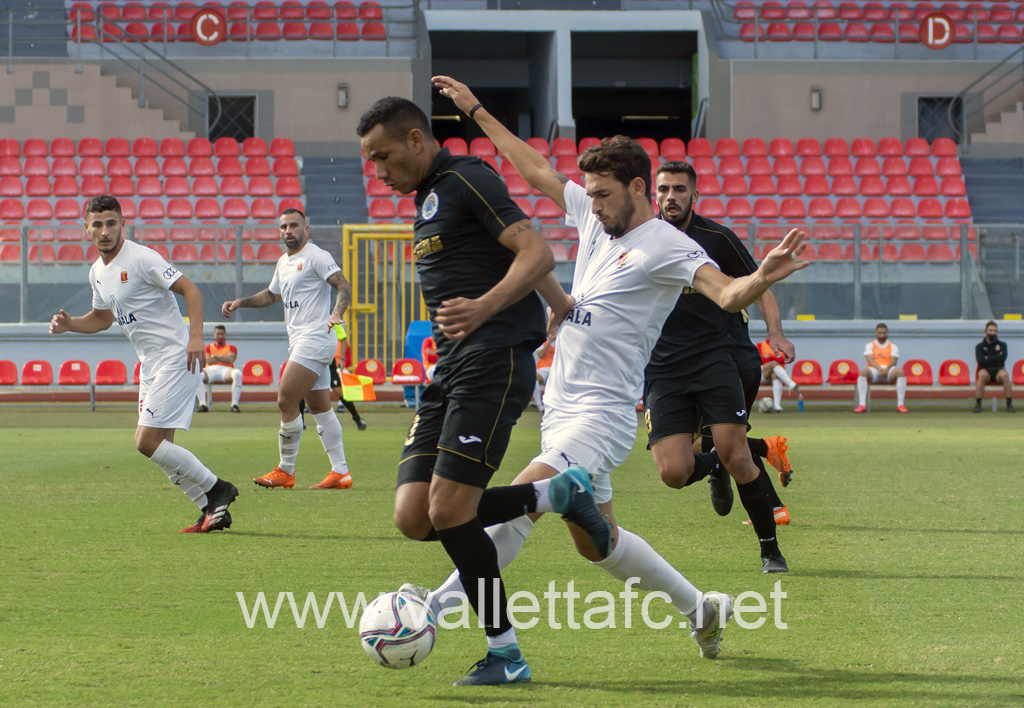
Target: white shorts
544, 373
218, 373
321, 369
875, 375
167, 398
597, 442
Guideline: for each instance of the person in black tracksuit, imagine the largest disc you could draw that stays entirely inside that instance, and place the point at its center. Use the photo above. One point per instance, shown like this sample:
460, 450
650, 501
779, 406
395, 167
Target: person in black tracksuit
991, 355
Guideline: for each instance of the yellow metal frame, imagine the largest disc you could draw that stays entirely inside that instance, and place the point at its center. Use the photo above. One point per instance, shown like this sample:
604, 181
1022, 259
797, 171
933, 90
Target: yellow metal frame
386, 295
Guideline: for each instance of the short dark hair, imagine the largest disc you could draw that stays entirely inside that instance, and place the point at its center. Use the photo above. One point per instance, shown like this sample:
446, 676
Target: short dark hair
293, 210
621, 157
678, 167
220, 327
102, 203
397, 115
881, 324
991, 323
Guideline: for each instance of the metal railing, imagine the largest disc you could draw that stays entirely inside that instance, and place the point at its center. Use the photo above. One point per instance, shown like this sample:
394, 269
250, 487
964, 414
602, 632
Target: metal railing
994, 84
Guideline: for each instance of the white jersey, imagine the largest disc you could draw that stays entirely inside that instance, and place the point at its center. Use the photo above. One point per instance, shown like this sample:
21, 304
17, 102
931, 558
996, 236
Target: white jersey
625, 289
301, 281
136, 287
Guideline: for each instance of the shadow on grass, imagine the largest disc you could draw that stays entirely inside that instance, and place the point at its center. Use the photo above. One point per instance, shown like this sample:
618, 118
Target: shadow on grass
869, 575
793, 680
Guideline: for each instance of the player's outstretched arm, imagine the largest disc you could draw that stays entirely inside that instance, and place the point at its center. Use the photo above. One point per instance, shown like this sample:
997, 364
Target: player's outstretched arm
460, 317
340, 283
534, 167
768, 306
95, 321
733, 294
194, 306
264, 298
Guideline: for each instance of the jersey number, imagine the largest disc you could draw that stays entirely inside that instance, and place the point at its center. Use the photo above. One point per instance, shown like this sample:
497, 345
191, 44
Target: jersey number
647, 419
411, 437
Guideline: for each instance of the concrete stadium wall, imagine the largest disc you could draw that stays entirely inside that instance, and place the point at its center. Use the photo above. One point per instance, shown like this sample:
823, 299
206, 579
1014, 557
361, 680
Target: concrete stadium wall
825, 341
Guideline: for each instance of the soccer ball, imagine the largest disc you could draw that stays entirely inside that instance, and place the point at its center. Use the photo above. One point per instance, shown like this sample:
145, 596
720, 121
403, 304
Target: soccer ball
765, 405
397, 630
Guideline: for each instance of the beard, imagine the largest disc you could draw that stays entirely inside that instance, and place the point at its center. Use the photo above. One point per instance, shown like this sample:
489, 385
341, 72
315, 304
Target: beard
679, 219
621, 226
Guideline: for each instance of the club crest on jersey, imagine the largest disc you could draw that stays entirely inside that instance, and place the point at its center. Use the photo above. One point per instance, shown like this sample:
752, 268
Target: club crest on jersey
430, 204
622, 260
299, 266
124, 276
169, 273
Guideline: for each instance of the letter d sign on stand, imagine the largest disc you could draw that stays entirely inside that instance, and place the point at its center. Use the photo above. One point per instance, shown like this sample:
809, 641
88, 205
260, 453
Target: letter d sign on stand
936, 31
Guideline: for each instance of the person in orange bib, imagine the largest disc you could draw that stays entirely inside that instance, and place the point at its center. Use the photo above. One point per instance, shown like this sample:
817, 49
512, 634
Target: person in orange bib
881, 356
773, 370
220, 368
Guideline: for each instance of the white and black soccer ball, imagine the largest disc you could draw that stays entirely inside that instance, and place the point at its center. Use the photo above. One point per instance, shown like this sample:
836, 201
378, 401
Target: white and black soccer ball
397, 630
765, 405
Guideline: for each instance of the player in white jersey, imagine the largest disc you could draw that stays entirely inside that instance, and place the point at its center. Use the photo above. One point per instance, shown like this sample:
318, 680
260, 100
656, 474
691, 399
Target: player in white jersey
302, 281
628, 276
132, 285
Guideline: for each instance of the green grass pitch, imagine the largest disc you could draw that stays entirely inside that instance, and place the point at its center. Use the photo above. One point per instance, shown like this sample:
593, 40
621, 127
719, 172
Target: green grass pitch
906, 550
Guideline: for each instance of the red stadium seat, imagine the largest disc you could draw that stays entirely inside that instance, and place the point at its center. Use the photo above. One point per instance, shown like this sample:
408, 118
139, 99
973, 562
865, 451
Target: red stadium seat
36, 372
374, 32
912, 252
762, 185
738, 208
848, 208
179, 209
232, 187
843, 372
263, 209
766, 209
287, 187
92, 186
708, 185
808, 147
957, 209
727, 147
199, 147
11, 187
882, 33
207, 208
90, 147
821, 208
954, 372
260, 187
952, 187
544, 208
1017, 374
382, 209
777, 147
948, 167
1007, 34
456, 146
235, 208
730, 166
744, 11
792, 208
699, 147
711, 208
898, 186
758, 166
836, 147
920, 167
111, 372
839, 166
926, 187
734, 186
257, 372
844, 186
807, 372
917, 147
812, 165
890, 147
268, 252
785, 166
673, 149
929, 209
257, 167
918, 372
38, 187
70, 253
36, 167
939, 252
817, 186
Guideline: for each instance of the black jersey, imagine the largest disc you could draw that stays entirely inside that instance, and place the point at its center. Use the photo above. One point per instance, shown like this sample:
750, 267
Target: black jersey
991, 355
462, 207
698, 330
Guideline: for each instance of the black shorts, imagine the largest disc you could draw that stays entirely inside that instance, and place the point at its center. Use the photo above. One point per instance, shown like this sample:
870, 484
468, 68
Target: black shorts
465, 420
335, 376
993, 374
689, 403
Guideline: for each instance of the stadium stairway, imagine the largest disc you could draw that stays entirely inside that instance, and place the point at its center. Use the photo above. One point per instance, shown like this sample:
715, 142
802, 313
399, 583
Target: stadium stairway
994, 187
34, 40
334, 190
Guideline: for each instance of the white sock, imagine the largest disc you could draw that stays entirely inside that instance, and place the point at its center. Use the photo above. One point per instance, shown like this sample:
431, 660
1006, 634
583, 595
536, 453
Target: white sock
201, 394
862, 390
288, 444
329, 428
185, 471
633, 557
540, 488
236, 386
780, 372
505, 639
901, 390
508, 539
777, 392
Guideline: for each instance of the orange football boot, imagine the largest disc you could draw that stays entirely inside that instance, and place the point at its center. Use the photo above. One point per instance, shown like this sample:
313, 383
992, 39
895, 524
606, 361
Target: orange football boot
335, 481
277, 478
777, 458
781, 517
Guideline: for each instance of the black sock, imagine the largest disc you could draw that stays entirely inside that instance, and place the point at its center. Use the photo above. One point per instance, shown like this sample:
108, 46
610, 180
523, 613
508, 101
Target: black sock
500, 504
758, 506
1009, 402
431, 536
351, 407
707, 443
758, 447
767, 482
704, 463
977, 401
473, 553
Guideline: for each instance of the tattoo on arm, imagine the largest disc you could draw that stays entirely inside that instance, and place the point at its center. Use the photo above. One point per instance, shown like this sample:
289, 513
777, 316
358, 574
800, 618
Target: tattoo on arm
559, 176
517, 228
264, 298
341, 284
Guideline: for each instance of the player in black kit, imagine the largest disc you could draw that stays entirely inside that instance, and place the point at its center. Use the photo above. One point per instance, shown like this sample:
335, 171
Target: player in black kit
699, 380
990, 354
479, 260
